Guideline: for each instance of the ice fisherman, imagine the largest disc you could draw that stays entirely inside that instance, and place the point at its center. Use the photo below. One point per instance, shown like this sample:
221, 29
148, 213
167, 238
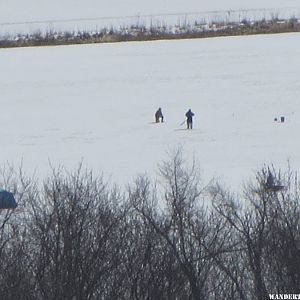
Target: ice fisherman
270, 180
159, 116
189, 119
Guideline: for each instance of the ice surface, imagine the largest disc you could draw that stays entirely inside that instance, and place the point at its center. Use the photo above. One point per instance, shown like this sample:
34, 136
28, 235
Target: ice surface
96, 103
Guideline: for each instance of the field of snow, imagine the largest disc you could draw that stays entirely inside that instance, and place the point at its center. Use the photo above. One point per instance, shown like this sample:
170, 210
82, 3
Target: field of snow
96, 103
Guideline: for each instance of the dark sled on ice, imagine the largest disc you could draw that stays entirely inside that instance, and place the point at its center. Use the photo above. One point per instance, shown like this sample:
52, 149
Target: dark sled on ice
274, 188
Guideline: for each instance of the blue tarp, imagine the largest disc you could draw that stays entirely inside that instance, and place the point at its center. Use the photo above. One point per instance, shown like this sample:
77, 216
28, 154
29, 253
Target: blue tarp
7, 200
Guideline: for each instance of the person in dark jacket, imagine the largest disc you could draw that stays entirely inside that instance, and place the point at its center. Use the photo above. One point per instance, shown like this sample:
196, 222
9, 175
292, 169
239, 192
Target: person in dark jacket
270, 180
159, 116
189, 119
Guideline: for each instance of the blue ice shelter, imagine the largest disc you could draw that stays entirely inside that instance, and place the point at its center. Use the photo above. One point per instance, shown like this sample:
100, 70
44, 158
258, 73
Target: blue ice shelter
7, 200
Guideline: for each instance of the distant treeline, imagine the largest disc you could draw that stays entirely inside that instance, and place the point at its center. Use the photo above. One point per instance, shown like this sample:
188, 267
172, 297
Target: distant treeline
159, 32
76, 237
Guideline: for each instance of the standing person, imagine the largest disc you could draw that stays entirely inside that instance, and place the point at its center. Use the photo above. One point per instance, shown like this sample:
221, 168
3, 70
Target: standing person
189, 119
159, 116
270, 180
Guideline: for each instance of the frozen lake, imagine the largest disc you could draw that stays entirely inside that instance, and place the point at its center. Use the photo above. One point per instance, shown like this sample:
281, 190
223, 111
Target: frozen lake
96, 103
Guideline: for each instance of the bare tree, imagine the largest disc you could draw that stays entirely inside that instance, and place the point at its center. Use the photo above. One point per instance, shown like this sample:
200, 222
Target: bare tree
262, 219
75, 237
74, 227
183, 224
16, 278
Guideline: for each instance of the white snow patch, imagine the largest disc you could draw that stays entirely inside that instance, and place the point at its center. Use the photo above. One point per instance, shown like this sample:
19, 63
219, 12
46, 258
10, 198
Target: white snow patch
96, 103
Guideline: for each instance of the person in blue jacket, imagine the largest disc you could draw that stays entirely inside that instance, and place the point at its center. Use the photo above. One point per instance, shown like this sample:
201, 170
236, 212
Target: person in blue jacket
189, 119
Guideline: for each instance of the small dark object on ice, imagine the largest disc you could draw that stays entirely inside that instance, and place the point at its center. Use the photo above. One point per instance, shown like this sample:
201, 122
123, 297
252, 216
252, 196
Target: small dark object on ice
275, 188
281, 120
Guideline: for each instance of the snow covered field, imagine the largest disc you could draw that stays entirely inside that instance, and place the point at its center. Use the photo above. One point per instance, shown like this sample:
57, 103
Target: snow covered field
96, 103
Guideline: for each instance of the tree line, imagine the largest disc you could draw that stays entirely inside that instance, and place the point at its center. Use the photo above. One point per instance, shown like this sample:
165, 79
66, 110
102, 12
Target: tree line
140, 32
76, 237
